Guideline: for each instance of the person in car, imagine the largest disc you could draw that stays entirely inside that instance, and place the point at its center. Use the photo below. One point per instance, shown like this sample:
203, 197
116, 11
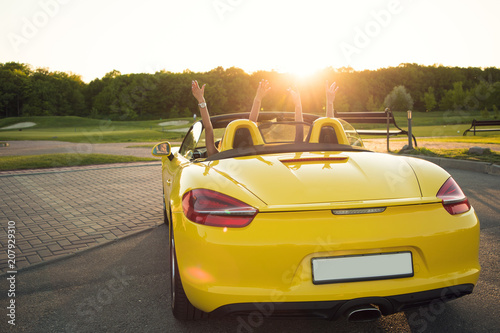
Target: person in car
331, 91
198, 93
262, 90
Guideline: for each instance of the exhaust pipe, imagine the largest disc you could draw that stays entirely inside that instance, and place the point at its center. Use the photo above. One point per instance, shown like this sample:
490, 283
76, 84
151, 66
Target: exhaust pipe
363, 313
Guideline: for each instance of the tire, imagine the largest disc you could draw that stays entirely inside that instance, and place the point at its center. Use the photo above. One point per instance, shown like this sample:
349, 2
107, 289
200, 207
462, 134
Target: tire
182, 309
165, 216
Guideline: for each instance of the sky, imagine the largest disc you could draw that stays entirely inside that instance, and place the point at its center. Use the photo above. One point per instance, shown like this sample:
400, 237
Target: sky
93, 37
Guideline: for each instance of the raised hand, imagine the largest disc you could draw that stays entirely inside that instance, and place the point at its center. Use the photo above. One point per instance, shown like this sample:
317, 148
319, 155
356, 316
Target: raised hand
198, 92
262, 89
331, 91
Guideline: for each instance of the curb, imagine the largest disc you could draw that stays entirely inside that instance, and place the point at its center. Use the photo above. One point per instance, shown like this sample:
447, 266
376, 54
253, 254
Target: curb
481, 167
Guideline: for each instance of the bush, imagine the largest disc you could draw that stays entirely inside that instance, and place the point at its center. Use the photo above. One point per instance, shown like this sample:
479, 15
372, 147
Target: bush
485, 113
399, 99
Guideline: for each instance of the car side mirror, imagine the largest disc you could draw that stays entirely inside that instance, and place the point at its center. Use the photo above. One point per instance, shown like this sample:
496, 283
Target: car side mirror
162, 149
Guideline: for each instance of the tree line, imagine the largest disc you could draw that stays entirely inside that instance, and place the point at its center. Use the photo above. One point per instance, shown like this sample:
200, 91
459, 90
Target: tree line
25, 91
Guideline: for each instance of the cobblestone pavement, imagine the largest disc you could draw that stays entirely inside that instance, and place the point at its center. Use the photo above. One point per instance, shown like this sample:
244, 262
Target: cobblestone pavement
64, 210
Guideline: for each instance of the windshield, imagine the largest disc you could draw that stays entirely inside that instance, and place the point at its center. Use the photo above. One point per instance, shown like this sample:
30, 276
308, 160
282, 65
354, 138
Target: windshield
191, 140
352, 135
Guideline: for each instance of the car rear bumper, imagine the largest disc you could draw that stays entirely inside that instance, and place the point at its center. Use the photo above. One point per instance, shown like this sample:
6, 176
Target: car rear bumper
331, 310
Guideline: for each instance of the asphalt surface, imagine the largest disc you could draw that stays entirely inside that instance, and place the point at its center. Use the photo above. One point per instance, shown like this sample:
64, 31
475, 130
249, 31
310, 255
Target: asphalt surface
54, 147
92, 256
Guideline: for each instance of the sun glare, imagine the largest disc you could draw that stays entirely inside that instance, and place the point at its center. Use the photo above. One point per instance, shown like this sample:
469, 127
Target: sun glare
302, 72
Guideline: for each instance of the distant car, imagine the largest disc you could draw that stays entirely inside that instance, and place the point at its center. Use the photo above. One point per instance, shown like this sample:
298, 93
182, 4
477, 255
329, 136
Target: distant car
299, 219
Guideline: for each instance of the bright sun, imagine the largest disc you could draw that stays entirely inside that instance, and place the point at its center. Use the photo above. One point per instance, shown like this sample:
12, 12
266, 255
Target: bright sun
302, 71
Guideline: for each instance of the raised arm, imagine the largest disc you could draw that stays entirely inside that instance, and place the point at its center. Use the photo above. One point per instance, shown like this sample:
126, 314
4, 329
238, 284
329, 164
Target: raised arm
330, 98
299, 132
298, 104
198, 93
262, 90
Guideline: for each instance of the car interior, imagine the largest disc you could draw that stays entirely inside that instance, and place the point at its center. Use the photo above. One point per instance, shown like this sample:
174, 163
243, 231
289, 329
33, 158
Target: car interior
242, 137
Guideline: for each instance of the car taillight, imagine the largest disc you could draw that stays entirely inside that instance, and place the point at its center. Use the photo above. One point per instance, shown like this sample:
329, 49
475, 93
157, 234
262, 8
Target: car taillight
216, 209
454, 200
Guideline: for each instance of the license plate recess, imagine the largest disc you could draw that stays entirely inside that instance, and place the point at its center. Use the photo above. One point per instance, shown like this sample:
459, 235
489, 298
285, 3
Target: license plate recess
366, 267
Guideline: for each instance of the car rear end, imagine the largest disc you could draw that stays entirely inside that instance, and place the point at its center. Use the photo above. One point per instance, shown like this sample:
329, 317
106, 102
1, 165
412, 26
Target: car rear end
328, 257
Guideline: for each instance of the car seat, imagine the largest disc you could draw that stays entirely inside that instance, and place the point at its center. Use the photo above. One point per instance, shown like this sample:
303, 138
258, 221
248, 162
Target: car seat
328, 130
241, 133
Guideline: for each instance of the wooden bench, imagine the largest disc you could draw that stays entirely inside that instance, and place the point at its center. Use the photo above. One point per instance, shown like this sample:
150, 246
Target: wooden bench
480, 123
385, 117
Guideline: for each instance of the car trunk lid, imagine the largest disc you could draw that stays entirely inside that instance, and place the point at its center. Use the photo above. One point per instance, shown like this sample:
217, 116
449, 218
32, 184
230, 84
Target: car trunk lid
325, 177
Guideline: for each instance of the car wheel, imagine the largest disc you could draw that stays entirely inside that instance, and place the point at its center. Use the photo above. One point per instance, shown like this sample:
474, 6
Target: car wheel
182, 309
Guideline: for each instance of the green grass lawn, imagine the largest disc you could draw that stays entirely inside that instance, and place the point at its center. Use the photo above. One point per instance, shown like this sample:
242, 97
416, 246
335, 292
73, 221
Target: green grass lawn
63, 160
461, 154
77, 129
438, 118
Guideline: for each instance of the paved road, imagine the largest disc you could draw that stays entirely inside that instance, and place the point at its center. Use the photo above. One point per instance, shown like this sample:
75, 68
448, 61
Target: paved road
124, 287
380, 145
55, 147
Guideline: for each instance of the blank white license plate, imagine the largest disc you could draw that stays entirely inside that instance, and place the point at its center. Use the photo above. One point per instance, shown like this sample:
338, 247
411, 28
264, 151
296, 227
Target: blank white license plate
362, 268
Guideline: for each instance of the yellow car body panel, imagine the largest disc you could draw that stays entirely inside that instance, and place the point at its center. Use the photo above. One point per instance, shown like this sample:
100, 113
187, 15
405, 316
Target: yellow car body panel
270, 259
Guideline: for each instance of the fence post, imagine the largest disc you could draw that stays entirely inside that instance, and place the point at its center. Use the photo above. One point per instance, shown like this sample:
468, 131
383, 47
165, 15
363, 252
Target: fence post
410, 143
387, 113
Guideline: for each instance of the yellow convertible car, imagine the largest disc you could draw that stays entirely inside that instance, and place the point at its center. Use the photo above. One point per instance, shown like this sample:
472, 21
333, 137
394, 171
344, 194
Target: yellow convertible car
298, 219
